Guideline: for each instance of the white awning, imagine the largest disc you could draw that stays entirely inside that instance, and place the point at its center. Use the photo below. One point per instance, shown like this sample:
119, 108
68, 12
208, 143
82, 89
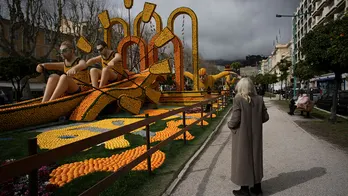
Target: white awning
327, 76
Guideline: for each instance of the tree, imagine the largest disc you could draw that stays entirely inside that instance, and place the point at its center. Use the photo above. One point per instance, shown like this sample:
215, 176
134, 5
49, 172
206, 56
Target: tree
326, 49
264, 80
187, 59
283, 66
270, 78
14, 69
253, 78
25, 19
258, 79
81, 18
304, 72
236, 65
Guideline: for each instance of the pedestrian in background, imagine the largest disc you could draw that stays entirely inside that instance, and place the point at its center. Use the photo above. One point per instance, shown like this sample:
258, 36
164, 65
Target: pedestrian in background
248, 114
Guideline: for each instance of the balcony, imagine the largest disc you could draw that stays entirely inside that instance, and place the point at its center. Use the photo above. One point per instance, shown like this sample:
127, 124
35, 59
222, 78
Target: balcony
316, 12
331, 3
330, 9
320, 4
313, 21
320, 19
339, 3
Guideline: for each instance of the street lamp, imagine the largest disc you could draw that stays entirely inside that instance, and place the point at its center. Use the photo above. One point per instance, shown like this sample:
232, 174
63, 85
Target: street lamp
294, 16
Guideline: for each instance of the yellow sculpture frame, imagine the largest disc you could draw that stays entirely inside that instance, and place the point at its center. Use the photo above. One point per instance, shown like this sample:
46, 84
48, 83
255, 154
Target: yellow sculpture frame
114, 21
149, 51
170, 24
137, 21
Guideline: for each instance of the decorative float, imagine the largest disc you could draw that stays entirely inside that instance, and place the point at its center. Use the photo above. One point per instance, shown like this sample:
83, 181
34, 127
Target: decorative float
131, 95
131, 92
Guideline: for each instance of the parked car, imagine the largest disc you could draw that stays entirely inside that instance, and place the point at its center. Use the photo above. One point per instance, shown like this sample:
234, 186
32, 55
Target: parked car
325, 102
3, 98
289, 93
317, 93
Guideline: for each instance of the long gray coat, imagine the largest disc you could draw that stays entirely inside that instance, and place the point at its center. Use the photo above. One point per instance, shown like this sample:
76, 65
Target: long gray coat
246, 126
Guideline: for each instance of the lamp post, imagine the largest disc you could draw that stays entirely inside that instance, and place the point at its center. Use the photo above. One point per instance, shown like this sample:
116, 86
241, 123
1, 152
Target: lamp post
294, 16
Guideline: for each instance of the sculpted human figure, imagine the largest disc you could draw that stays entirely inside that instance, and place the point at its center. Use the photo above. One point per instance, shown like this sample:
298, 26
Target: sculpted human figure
206, 80
73, 68
111, 66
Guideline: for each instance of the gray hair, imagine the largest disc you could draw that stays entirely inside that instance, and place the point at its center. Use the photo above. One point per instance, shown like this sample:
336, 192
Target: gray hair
246, 89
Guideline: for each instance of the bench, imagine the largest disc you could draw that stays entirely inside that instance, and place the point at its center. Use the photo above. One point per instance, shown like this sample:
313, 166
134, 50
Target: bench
306, 108
303, 108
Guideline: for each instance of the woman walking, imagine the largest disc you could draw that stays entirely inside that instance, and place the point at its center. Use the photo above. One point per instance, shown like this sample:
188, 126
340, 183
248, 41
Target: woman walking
248, 114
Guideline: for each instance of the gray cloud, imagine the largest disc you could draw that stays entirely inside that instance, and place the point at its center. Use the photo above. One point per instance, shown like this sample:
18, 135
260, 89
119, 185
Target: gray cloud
230, 29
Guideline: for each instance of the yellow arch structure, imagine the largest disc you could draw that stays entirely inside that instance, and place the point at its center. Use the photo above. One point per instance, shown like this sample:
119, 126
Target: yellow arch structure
137, 22
108, 33
170, 24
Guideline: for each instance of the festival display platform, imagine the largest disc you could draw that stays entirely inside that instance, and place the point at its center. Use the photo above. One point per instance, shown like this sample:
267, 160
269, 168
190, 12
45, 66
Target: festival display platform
133, 94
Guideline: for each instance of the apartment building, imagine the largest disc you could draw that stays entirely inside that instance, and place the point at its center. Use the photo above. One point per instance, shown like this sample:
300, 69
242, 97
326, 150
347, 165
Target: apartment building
269, 65
248, 71
319, 11
263, 66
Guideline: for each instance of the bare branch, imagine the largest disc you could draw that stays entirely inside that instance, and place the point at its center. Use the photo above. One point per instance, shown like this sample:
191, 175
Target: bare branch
53, 25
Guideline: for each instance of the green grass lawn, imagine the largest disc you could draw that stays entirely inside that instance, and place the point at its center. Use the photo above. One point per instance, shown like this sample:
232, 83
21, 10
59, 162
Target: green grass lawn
334, 133
14, 145
140, 183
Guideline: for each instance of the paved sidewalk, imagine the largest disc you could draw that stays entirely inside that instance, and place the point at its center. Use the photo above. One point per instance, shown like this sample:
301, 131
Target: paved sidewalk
295, 163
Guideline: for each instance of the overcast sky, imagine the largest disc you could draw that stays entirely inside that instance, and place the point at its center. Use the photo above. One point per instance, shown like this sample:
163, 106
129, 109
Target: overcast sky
230, 29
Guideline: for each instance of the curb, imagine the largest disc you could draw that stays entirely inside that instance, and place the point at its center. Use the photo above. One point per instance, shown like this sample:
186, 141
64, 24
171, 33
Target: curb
176, 181
344, 117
